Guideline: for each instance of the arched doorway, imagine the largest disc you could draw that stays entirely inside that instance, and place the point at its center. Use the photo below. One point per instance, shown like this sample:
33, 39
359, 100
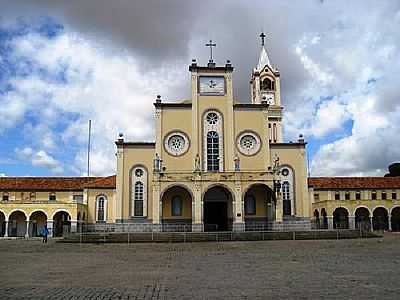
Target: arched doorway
217, 209
176, 209
17, 224
395, 219
62, 223
362, 218
341, 218
380, 220
324, 215
317, 222
37, 221
2, 224
259, 208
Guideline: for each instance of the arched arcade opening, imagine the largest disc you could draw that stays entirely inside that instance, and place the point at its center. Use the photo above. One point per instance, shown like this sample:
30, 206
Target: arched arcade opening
176, 209
395, 219
380, 220
341, 218
37, 221
61, 223
324, 217
362, 218
259, 207
17, 224
217, 209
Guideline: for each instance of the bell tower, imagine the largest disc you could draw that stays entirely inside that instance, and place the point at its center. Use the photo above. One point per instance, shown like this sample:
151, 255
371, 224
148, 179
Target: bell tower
265, 79
265, 87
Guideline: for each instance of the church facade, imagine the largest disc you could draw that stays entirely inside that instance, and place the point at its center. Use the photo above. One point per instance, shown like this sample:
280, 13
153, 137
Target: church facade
216, 164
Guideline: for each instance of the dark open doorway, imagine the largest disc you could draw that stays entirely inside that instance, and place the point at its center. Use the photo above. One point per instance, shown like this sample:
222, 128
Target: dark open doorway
216, 207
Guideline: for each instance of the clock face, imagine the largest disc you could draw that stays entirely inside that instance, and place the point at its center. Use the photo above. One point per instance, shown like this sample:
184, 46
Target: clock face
270, 98
212, 85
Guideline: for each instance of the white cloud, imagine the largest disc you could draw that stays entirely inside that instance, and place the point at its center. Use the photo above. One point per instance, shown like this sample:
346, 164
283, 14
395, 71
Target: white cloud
108, 88
39, 158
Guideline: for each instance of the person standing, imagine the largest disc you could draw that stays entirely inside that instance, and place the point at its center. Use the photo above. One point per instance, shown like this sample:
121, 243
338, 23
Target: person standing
45, 233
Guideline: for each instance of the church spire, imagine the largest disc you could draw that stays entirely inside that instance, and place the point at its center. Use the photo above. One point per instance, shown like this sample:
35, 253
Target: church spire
264, 59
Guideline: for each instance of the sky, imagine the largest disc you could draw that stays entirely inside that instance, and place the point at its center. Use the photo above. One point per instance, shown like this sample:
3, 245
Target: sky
65, 62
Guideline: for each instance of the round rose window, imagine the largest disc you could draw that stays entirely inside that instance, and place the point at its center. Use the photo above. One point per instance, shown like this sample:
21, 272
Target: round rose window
176, 143
248, 143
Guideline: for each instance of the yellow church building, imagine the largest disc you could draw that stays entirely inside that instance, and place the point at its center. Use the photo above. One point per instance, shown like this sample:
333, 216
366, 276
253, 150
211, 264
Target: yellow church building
216, 164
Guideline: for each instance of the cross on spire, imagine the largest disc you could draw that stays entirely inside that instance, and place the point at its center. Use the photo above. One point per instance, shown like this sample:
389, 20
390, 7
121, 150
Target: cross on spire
262, 36
210, 44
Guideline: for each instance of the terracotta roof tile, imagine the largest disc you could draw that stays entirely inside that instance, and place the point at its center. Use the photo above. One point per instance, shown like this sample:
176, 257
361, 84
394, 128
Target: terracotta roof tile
103, 182
354, 182
46, 183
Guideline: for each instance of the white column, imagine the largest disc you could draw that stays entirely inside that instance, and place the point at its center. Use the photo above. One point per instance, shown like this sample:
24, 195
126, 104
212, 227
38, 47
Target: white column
50, 227
27, 228
279, 208
390, 222
352, 222
74, 227
6, 232
330, 222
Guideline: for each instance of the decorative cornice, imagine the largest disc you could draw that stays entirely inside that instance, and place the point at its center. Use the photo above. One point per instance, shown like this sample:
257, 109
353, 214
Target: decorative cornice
135, 144
173, 105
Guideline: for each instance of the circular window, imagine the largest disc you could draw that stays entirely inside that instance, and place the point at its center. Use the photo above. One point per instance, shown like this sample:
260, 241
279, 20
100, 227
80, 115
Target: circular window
176, 143
285, 172
139, 172
212, 118
248, 143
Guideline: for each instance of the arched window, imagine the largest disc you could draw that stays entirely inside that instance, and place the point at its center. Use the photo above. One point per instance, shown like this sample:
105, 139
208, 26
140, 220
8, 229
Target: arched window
288, 190
287, 209
138, 199
213, 142
139, 192
176, 206
268, 84
101, 209
212, 151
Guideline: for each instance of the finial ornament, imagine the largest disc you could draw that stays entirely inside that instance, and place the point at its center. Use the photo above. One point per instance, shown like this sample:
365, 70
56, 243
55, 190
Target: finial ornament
211, 44
262, 36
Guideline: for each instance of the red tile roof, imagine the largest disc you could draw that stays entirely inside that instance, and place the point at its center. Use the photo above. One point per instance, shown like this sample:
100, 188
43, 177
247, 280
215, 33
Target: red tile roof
354, 182
103, 182
51, 183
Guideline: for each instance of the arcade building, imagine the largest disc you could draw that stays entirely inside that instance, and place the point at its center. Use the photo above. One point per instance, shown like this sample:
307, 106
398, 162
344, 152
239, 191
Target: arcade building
216, 164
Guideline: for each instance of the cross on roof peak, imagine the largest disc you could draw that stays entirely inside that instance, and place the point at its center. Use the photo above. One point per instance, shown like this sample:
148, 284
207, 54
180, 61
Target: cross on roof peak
211, 44
262, 36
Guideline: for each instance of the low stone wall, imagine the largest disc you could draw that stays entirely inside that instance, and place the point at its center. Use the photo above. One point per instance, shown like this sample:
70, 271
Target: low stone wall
126, 237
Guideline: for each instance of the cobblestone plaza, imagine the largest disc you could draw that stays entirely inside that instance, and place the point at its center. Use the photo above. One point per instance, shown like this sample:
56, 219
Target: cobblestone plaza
331, 269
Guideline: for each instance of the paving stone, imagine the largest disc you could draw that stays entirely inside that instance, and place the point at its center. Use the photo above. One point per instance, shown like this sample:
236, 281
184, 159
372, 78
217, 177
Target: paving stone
329, 269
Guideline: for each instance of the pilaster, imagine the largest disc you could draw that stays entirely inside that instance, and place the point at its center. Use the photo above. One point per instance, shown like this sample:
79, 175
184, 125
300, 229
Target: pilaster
197, 221
279, 208
119, 184
229, 123
238, 223
156, 200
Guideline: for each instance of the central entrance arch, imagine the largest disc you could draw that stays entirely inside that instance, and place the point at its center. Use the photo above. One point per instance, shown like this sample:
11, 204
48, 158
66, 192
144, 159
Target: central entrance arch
217, 209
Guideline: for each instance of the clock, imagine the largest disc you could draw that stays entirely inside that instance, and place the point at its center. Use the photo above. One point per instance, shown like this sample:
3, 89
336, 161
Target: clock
212, 85
270, 98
